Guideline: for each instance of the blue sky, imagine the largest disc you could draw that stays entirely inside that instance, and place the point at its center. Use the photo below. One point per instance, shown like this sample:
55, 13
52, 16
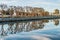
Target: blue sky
48, 5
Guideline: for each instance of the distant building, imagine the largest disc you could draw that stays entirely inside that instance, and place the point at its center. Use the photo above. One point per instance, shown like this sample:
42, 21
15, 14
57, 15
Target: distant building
28, 9
38, 11
46, 13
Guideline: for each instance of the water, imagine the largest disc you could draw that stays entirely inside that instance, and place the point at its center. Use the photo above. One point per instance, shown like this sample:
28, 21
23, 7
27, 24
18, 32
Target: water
31, 30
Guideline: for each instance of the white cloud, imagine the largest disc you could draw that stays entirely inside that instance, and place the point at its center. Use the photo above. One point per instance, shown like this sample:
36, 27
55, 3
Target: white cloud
6, 2
29, 2
44, 3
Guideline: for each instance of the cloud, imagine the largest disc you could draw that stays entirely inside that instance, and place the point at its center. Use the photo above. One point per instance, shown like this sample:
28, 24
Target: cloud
48, 5
6, 2
30, 2
44, 3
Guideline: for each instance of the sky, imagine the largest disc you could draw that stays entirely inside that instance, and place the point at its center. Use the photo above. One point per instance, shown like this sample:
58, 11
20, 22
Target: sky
48, 5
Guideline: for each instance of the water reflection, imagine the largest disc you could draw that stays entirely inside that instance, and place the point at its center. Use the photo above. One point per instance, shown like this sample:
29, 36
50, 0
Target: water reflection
13, 28
56, 22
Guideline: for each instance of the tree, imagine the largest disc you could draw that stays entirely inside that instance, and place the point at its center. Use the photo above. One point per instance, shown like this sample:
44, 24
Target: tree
3, 6
3, 13
56, 11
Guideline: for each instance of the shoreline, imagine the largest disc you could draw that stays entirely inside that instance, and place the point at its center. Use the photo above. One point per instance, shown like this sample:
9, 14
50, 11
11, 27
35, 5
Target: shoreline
8, 19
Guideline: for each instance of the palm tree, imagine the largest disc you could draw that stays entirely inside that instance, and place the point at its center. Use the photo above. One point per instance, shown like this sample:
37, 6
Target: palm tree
11, 12
3, 13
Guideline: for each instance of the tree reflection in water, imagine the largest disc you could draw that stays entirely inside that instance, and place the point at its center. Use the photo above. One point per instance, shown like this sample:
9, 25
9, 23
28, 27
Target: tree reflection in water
2, 31
10, 28
14, 28
56, 22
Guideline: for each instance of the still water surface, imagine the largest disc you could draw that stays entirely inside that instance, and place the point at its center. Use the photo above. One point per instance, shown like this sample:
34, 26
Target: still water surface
31, 30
